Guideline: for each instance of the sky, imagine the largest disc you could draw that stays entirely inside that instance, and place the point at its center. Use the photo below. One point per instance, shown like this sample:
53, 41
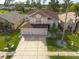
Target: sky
2, 1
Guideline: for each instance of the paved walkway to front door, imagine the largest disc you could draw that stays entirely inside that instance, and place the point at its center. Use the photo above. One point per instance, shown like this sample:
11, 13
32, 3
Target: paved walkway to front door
31, 48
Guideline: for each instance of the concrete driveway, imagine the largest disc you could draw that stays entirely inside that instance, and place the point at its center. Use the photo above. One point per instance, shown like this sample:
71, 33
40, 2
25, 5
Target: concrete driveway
31, 48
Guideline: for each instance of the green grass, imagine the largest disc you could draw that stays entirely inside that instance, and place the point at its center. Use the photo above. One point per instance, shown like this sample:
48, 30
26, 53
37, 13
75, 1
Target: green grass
64, 57
8, 57
53, 30
3, 12
14, 40
52, 46
75, 38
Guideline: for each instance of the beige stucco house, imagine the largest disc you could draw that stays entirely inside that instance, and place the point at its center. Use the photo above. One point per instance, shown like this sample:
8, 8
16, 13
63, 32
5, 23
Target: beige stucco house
38, 21
71, 22
11, 20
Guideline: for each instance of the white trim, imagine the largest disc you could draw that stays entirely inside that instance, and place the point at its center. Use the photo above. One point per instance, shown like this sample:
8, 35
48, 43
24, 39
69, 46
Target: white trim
33, 13
38, 11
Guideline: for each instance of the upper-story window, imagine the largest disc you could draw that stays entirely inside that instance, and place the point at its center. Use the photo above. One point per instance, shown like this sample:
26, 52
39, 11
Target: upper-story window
38, 18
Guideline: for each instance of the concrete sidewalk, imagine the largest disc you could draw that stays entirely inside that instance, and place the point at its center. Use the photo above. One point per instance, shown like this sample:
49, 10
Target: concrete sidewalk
3, 54
63, 53
31, 48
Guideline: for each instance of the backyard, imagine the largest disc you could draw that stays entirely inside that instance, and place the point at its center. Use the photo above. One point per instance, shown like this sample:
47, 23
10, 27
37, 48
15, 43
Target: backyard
64, 57
14, 40
70, 38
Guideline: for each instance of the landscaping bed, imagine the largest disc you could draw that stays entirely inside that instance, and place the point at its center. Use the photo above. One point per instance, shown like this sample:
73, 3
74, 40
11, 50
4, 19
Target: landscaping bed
72, 40
14, 40
52, 46
64, 57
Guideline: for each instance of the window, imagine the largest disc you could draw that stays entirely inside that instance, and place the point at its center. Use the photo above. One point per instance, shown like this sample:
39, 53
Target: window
38, 20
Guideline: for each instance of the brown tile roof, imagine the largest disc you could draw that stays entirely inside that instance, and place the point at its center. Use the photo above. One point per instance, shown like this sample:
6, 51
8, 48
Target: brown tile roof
44, 12
70, 16
12, 17
27, 25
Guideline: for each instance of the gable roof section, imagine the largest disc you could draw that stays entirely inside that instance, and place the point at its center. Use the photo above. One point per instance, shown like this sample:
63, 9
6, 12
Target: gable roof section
44, 12
70, 16
12, 17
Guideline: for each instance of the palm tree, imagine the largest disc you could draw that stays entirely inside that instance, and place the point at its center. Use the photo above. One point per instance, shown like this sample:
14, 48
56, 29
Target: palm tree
7, 2
67, 6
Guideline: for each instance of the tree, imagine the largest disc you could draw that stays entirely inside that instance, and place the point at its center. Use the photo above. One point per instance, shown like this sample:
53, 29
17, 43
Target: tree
7, 2
38, 5
66, 2
63, 6
33, 3
28, 3
75, 8
20, 7
54, 5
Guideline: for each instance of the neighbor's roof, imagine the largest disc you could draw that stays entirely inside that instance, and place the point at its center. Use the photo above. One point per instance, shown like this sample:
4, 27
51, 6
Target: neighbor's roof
12, 17
70, 16
44, 12
28, 25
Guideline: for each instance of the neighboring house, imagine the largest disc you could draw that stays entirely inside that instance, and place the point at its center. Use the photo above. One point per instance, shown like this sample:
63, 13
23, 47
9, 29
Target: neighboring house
11, 20
38, 21
71, 22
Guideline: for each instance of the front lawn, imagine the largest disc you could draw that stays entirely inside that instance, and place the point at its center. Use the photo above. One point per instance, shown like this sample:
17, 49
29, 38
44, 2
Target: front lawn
3, 12
71, 38
52, 46
14, 40
64, 57
8, 57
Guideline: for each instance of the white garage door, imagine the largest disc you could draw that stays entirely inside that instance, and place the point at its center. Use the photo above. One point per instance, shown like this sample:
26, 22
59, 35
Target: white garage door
34, 31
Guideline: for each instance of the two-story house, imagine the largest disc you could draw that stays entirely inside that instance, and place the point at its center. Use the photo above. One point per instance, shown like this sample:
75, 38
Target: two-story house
38, 21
